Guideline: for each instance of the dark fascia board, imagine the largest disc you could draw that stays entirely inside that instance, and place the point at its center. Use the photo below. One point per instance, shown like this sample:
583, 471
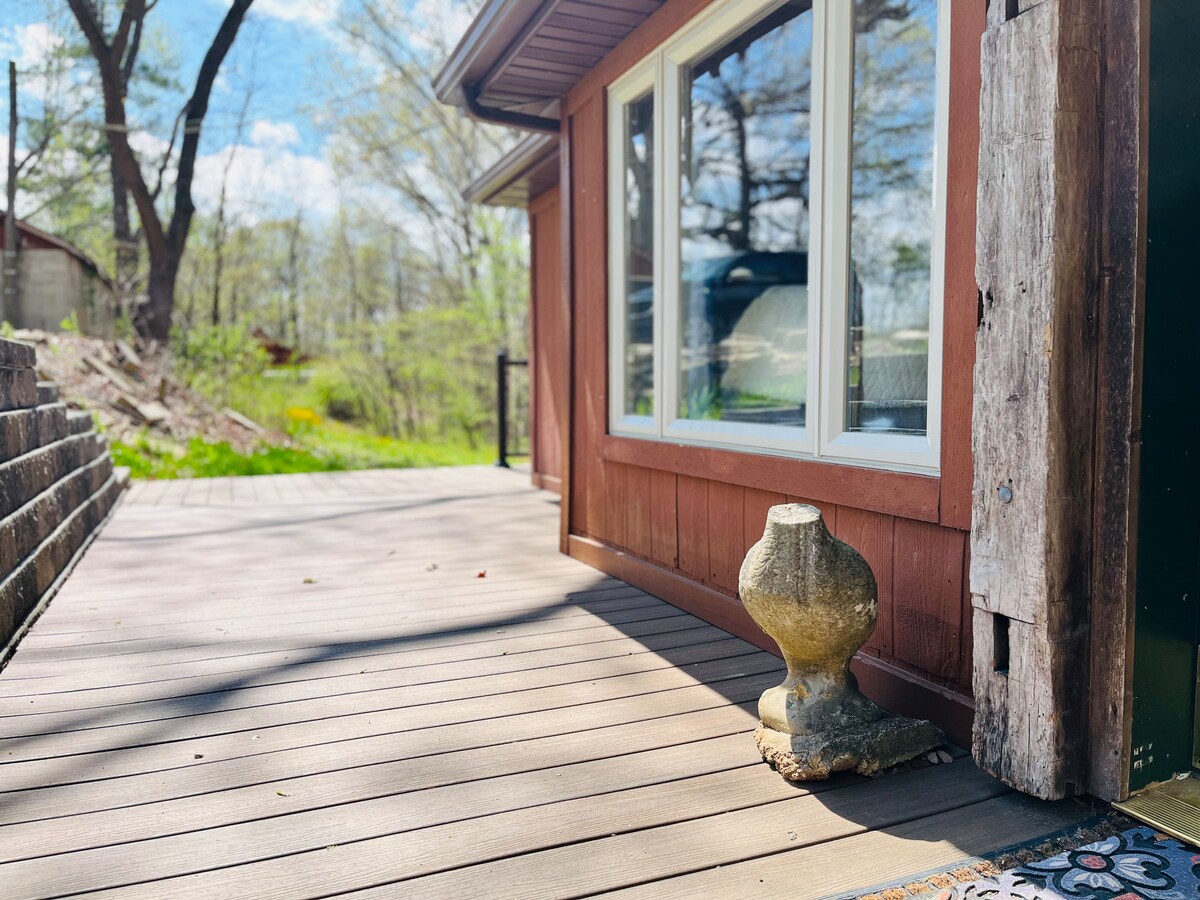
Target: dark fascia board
530, 154
498, 24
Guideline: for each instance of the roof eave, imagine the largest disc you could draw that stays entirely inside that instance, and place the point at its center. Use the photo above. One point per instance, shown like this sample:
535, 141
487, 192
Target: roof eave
530, 154
492, 30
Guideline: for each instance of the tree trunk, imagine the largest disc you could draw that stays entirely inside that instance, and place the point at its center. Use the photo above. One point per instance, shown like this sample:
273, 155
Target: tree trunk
8, 301
156, 312
127, 242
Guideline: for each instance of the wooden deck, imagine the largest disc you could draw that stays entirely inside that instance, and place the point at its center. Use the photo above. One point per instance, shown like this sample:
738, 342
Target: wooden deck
390, 683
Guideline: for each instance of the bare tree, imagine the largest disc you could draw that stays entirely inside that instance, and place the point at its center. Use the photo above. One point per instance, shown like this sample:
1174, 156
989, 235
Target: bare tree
165, 242
8, 302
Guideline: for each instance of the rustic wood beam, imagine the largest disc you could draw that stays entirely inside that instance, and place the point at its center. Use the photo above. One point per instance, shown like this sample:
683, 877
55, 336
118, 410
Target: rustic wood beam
1035, 390
1125, 58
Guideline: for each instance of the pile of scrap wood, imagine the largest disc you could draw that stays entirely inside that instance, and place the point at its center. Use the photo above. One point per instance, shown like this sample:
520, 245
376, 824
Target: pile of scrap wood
133, 393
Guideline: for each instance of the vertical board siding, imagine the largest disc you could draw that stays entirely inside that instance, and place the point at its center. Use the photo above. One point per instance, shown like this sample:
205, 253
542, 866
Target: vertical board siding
637, 511
615, 505
725, 523
549, 392
872, 535
664, 524
755, 505
692, 516
927, 579
589, 506
967, 647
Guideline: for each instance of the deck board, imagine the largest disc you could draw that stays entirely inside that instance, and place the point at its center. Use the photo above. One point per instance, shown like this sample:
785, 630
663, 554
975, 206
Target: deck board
391, 683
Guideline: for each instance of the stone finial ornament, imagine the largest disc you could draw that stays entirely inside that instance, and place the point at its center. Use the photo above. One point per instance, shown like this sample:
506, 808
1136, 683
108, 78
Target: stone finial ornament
816, 596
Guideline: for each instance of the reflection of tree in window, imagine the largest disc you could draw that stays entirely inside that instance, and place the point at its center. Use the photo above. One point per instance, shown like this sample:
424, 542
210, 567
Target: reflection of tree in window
639, 256
891, 227
744, 222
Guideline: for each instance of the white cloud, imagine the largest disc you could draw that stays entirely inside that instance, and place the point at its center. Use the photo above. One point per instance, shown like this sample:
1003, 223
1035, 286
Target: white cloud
265, 183
29, 46
273, 135
32, 47
314, 13
441, 25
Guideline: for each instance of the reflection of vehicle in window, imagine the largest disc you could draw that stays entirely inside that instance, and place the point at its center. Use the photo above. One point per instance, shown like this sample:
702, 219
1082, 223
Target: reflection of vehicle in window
729, 284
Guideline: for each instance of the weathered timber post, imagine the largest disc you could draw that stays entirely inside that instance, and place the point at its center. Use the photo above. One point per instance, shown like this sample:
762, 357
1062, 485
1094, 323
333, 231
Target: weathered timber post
816, 597
1034, 398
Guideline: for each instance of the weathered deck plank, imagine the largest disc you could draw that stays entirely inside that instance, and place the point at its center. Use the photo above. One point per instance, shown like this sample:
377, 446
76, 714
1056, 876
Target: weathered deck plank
191, 718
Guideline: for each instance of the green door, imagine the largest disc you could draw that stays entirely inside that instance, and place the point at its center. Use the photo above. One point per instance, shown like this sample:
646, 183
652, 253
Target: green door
1168, 559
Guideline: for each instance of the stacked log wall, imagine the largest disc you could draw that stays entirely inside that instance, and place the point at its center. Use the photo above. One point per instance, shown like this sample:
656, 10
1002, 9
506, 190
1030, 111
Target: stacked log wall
57, 487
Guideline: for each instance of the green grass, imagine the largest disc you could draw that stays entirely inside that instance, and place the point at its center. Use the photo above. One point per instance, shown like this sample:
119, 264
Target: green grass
327, 447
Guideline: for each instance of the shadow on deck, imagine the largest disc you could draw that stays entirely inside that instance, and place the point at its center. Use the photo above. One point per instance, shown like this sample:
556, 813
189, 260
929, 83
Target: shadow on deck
390, 682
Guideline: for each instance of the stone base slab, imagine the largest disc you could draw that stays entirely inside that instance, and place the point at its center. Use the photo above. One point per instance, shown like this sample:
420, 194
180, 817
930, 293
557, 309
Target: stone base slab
864, 748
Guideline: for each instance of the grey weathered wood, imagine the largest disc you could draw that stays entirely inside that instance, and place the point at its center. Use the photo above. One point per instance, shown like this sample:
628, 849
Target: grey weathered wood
1034, 397
934, 844
1123, 256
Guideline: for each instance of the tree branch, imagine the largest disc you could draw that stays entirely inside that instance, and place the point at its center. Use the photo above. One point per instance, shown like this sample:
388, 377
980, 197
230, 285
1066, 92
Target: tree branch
197, 107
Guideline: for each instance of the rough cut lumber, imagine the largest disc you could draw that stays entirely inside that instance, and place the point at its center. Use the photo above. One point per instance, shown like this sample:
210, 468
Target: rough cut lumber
1118, 425
1034, 392
115, 378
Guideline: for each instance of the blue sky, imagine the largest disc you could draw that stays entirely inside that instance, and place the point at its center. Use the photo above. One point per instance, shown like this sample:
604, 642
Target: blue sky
286, 52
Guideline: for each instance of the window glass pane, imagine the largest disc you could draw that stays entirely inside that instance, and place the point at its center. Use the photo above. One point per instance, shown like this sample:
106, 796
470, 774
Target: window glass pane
744, 225
891, 222
639, 257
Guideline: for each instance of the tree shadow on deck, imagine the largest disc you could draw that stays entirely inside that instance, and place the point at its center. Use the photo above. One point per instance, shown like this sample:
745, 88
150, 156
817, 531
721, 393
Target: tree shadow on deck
439, 697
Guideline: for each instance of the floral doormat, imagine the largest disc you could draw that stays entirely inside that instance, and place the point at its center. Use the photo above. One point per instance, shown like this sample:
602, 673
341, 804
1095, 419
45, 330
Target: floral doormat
1134, 864
1137, 864
1107, 858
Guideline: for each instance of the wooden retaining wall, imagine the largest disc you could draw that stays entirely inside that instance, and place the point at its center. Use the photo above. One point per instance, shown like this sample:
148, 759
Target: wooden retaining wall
57, 486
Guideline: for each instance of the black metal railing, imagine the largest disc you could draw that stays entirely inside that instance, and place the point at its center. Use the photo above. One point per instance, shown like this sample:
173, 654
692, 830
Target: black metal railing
506, 399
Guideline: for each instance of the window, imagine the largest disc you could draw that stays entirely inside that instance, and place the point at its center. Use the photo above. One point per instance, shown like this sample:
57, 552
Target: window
775, 210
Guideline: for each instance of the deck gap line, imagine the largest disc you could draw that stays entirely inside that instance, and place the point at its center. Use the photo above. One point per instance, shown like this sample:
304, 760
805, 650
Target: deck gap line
514, 653
318, 678
670, 612
352, 768
676, 614
798, 846
238, 590
388, 595
748, 706
566, 842
371, 798
217, 623
234, 731
569, 599
341, 603
197, 714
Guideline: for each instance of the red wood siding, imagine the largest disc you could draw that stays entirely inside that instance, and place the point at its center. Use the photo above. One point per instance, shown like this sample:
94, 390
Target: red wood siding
677, 517
546, 324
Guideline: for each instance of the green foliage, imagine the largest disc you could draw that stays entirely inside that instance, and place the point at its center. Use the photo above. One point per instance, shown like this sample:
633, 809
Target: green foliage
201, 459
327, 448
215, 360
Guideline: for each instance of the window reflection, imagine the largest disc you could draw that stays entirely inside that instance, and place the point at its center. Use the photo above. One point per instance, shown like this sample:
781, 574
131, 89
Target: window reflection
639, 257
891, 228
744, 225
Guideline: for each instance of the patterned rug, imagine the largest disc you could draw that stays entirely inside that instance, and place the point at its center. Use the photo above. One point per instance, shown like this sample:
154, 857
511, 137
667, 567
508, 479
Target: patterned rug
1131, 865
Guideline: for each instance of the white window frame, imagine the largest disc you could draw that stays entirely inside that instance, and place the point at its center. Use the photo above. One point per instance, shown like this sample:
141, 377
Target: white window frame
824, 435
638, 82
